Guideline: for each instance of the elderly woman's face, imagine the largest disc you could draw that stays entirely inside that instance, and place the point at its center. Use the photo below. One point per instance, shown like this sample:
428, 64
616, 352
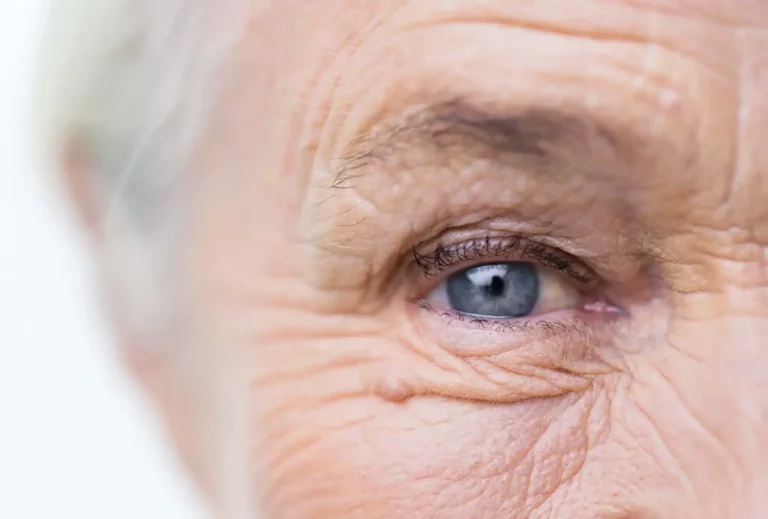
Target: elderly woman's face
484, 259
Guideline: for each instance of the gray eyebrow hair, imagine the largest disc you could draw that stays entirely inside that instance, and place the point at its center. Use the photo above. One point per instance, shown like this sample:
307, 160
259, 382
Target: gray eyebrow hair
544, 135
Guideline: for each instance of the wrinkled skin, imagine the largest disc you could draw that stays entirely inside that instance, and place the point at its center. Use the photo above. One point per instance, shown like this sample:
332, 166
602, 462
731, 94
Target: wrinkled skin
316, 385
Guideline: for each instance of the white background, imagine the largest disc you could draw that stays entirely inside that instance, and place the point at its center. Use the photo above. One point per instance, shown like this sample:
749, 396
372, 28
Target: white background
76, 438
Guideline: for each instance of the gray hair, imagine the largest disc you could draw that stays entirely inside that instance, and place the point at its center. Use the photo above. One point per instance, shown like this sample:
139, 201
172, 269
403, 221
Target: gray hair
129, 83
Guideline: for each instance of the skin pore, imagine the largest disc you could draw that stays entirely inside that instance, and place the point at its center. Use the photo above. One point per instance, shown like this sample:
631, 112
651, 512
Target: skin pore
364, 151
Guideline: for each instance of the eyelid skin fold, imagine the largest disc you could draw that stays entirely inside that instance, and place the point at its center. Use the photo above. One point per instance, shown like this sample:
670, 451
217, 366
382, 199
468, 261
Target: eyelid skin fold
497, 248
544, 354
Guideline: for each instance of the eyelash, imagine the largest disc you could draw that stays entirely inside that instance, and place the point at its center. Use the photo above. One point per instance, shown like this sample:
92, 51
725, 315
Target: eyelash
445, 258
546, 328
578, 333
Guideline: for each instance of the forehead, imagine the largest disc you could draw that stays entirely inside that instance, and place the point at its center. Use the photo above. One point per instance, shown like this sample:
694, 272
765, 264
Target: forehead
395, 54
356, 43
682, 80
356, 15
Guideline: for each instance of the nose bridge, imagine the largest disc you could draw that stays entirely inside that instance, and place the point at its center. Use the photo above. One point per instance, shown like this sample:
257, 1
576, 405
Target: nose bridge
727, 308
720, 345
736, 351
754, 503
726, 336
751, 502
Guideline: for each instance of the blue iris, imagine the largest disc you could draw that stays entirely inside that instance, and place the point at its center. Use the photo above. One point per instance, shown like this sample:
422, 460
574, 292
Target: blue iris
501, 290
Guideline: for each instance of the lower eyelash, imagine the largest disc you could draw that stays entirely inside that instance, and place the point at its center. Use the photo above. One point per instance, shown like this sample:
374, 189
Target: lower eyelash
531, 326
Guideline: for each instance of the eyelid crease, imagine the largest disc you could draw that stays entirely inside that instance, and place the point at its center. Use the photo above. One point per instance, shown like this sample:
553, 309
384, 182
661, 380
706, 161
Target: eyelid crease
495, 247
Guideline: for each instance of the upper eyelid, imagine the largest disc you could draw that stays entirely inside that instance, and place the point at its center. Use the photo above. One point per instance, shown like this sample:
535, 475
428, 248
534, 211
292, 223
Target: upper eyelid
523, 249
443, 256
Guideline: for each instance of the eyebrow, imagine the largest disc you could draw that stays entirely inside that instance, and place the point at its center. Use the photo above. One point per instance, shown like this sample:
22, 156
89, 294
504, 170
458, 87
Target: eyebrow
542, 134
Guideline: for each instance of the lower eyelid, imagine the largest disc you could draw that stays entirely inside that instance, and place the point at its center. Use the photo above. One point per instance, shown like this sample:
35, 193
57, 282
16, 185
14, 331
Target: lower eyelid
548, 356
471, 335
549, 324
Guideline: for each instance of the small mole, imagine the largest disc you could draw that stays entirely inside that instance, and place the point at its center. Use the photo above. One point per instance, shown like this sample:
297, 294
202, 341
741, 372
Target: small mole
392, 387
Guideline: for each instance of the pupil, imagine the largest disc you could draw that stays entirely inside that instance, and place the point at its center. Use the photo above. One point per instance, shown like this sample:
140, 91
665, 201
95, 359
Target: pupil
496, 288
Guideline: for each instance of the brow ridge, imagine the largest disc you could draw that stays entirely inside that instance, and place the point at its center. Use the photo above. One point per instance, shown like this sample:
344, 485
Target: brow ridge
542, 134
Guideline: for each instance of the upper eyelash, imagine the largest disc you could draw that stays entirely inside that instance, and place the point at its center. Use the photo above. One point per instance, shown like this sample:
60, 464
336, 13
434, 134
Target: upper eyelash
446, 257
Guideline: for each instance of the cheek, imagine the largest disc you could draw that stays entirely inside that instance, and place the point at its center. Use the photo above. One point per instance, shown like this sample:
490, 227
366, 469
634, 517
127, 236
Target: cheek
359, 456
326, 447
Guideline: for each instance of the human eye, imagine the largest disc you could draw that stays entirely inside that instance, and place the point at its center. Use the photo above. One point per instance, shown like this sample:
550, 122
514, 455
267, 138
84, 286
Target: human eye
503, 290
510, 281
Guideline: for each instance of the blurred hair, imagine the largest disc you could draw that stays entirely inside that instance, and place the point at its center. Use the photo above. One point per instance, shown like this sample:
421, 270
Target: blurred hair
126, 86
128, 83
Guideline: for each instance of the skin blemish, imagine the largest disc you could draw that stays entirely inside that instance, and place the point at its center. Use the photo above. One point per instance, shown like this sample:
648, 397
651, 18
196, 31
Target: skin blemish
392, 385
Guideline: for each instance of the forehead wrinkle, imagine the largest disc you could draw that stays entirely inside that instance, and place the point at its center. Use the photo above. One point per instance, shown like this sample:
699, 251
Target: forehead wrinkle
738, 13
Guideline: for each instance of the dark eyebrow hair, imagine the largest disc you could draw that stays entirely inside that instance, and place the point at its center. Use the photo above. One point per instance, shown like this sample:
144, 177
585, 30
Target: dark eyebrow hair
544, 135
